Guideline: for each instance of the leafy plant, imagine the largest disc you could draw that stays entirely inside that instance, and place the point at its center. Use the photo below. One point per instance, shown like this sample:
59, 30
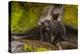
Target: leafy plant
27, 48
71, 15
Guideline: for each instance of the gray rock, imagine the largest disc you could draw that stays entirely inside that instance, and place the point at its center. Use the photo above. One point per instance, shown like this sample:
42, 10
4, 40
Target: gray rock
16, 46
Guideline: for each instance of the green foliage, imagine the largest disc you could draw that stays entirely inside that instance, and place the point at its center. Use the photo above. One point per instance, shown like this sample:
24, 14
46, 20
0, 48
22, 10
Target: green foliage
41, 49
16, 13
24, 16
71, 15
29, 48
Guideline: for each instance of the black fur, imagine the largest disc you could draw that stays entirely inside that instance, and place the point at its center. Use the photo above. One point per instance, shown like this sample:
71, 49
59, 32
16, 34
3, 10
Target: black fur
54, 31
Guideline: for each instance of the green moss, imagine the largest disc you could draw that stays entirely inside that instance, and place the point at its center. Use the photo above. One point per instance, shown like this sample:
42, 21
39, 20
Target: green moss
27, 48
71, 15
41, 49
